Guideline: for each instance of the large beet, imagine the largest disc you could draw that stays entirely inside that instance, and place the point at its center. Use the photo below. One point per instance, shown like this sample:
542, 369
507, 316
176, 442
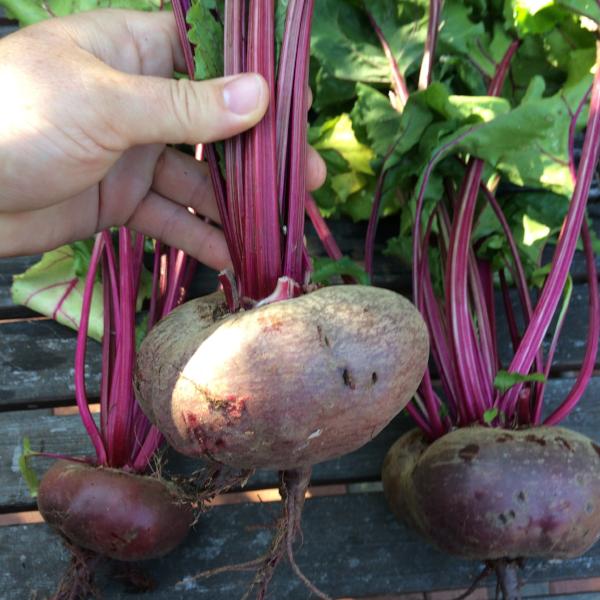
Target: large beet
487, 494
116, 514
285, 385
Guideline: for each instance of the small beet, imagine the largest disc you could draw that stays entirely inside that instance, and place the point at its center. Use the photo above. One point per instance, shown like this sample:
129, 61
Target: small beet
116, 514
486, 494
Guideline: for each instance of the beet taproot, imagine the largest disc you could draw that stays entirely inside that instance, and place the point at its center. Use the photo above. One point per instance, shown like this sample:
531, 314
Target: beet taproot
119, 515
486, 493
285, 385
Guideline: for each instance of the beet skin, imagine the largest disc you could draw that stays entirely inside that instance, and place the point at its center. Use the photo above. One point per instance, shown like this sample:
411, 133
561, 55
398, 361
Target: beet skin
286, 385
116, 514
486, 493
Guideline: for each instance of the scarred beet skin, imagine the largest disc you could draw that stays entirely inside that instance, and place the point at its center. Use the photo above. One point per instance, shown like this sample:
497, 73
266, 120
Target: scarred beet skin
485, 493
285, 385
116, 514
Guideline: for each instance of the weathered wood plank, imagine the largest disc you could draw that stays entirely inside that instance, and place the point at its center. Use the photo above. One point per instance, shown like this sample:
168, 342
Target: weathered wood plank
65, 434
6, 25
583, 596
366, 553
8, 268
572, 344
36, 364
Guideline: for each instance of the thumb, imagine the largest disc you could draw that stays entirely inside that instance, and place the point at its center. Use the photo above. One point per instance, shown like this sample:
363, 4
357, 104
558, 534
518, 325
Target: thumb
152, 110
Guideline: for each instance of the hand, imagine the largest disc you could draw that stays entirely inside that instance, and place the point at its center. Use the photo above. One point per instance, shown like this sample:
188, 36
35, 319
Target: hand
86, 108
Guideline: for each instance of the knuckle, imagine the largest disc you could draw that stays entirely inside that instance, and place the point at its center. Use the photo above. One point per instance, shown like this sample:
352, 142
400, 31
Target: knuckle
189, 103
182, 104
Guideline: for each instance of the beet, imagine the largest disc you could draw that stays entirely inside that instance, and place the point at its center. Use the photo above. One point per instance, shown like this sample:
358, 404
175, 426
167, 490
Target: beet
119, 515
282, 386
486, 493
286, 385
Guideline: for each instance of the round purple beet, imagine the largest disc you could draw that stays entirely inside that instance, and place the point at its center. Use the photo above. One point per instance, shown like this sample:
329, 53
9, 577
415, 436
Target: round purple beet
486, 493
116, 514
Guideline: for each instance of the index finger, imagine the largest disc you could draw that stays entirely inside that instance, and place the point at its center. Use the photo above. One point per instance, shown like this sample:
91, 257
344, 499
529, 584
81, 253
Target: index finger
140, 43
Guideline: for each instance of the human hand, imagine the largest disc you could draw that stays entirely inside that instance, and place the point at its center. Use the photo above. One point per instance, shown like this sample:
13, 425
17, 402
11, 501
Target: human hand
86, 109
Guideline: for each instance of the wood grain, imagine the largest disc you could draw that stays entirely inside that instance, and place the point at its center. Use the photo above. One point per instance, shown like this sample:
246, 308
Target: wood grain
351, 546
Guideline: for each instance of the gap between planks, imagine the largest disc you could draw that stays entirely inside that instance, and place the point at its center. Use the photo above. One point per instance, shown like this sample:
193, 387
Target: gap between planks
22, 319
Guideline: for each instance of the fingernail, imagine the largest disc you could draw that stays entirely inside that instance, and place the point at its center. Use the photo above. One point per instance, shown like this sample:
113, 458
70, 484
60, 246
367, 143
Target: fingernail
243, 94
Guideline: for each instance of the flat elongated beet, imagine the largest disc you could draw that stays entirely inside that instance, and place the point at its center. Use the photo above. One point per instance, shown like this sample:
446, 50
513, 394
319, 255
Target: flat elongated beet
486, 493
285, 385
116, 514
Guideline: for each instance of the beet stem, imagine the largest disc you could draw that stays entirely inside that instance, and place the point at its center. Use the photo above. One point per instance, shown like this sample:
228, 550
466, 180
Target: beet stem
322, 229
375, 211
467, 351
296, 83
589, 360
80, 354
565, 249
433, 26
398, 81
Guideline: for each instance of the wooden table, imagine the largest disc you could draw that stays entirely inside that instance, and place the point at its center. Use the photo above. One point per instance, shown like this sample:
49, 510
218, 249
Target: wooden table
353, 547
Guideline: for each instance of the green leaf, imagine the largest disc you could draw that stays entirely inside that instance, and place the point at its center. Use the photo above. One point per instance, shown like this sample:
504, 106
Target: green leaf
459, 34
505, 380
28, 474
540, 16
325, 270
490, 415
533, 231
346, 45
53, 288
379, 125
374, 120
358, 206
206, 33
28, 12
82, 255
538, 277
281, 7
330, 93
587, 8
347, 160
580, 65
141, 330
529, 16
337, 134
530, 143
595, 242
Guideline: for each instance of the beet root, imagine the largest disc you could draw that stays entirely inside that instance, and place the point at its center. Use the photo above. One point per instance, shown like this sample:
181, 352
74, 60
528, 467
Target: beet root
115, 514
293, 488
484, 493
286, 385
